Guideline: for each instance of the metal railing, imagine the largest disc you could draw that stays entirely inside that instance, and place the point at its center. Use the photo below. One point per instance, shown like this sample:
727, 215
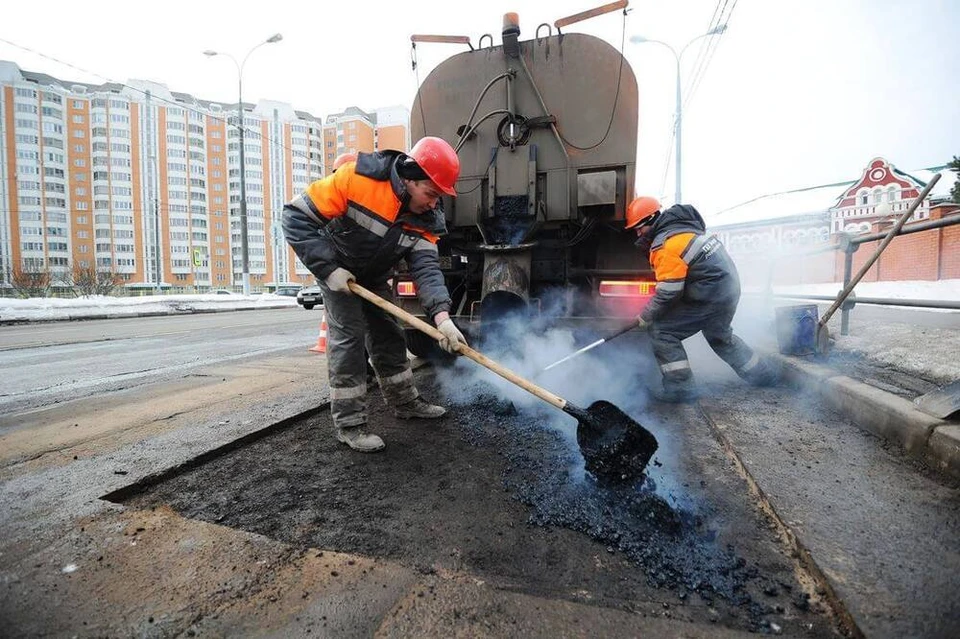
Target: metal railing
853, 300
849, 244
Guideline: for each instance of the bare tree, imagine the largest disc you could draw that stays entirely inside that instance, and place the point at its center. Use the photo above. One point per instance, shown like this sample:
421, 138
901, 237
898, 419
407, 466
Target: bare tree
83, 279
34, 282
87, 280
107, 281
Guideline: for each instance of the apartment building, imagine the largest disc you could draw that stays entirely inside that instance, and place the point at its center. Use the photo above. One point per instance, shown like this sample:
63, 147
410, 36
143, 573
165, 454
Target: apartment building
145, 182
358, 131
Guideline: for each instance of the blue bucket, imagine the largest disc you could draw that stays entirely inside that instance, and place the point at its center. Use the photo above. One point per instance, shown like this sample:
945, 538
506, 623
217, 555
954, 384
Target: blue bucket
797, 329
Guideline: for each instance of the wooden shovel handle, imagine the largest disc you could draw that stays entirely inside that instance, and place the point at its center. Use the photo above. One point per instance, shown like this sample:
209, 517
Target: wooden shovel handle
465, 350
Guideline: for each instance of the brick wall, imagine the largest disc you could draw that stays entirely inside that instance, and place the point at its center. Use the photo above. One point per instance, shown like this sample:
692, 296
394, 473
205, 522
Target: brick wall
949, 252
927, 255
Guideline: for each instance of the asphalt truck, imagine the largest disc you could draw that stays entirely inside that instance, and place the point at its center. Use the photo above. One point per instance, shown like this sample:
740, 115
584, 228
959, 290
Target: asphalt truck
546, 133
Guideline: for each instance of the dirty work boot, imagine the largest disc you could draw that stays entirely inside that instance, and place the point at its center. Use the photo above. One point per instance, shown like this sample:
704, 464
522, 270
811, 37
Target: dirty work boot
359, 440
419, 409
674, 393
765, 373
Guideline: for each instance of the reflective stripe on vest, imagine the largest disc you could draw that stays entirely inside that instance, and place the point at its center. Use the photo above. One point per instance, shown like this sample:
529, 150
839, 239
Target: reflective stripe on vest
701, 246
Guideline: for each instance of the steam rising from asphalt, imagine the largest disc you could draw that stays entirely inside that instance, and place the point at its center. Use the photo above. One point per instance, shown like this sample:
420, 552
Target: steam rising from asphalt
613, 372
610, 373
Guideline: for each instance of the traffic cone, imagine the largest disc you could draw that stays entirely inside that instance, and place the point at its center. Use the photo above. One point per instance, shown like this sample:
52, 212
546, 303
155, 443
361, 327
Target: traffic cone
321, 346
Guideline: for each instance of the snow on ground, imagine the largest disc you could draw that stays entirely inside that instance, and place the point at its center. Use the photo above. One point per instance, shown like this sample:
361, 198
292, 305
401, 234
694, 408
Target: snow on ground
933, 353
942, 290
54, 308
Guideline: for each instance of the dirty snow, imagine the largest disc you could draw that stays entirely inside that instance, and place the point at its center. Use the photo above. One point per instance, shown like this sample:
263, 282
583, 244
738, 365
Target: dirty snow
942, 290
54, 308
933, 353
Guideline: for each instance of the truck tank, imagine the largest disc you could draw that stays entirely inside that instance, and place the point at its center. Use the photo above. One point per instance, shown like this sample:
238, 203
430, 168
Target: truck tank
546, 133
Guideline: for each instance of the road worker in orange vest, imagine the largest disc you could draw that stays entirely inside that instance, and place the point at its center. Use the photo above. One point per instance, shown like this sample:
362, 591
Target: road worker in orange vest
698, 289
356, 224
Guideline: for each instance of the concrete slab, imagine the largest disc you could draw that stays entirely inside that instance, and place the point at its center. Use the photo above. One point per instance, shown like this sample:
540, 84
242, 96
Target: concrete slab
883, 413
467, 607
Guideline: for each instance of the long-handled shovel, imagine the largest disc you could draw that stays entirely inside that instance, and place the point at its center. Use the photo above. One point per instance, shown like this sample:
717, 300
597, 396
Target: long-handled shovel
613, 445
626, 329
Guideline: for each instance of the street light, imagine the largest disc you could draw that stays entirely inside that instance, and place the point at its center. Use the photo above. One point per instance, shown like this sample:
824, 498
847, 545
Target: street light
244, 240
638, 39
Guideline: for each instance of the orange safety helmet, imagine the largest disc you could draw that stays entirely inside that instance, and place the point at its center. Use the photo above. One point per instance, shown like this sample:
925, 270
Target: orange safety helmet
439, 161
342, 159
641, 210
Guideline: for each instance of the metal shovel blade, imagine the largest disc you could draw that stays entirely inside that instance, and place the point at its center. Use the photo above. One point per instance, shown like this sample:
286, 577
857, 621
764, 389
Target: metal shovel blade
614, 446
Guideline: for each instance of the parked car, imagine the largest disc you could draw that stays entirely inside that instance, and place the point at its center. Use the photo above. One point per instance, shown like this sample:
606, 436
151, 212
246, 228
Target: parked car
310, 296
288, 291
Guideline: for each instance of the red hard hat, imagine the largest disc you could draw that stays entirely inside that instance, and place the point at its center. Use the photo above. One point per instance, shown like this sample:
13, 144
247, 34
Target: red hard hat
343, 158
439, 161
641, 210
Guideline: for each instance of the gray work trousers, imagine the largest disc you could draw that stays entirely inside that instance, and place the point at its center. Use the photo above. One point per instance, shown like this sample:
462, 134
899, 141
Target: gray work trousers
686, 319
353, 324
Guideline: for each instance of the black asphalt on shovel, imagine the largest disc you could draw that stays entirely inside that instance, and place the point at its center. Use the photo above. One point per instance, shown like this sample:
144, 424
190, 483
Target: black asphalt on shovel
626, 329
613, 445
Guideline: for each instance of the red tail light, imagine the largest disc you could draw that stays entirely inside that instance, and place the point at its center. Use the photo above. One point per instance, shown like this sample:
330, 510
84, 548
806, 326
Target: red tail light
406, 289
619, 288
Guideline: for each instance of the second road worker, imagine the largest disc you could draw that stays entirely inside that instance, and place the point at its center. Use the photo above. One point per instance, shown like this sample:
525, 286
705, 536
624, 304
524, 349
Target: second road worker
698, 289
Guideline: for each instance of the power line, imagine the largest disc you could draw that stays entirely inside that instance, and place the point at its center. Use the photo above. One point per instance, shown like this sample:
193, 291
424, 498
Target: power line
935, 169
711, 50
703, 46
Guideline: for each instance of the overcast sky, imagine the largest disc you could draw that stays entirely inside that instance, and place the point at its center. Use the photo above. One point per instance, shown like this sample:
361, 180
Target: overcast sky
796, 94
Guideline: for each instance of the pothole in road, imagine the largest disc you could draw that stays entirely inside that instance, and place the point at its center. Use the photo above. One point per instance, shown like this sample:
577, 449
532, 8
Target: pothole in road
496, 493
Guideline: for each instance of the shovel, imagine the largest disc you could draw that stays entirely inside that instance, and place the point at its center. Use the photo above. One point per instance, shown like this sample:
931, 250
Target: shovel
626, 329
613, 445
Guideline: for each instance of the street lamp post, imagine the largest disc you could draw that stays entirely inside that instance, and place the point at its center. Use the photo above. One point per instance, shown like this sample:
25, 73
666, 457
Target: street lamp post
244, 237
678, 116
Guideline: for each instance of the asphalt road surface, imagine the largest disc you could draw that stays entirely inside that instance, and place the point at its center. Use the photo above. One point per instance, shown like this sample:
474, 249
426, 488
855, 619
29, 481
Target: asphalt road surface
50, 363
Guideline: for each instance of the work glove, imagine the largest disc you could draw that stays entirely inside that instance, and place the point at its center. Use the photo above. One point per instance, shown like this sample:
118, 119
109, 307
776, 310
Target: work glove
337, 281
452, 337
642, 323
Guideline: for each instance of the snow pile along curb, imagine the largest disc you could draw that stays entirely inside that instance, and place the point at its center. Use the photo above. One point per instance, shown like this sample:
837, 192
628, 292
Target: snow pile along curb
51, 309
